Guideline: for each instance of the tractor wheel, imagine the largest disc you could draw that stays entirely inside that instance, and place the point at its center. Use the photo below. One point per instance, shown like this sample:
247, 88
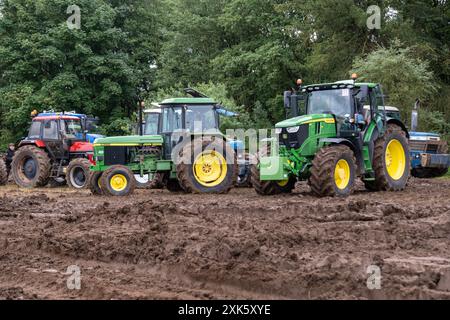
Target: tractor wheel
268, 188
428, 173
3, 173
437, 173
174, 186
94, 183
31, 167
157, 183
333, 172
245, 181
203, 166
391, 161
118, 181
78, 173
142, 182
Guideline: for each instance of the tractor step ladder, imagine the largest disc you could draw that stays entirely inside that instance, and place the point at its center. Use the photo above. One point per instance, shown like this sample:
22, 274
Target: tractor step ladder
56, 169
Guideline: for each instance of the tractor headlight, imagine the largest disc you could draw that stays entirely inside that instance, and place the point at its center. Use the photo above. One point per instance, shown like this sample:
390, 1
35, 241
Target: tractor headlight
278, 130
293, 129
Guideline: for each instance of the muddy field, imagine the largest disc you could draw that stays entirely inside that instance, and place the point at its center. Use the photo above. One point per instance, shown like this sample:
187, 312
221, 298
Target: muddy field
159, 245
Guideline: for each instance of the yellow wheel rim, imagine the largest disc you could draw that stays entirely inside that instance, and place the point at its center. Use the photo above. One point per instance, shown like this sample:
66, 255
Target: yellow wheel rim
118, 182
283, 183
395, 160
342, 174
210, 169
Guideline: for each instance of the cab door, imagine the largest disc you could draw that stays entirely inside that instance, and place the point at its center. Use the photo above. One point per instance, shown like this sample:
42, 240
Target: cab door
52, 137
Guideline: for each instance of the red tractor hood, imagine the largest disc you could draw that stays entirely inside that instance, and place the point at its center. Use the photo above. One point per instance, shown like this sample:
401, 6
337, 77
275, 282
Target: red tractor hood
78, 147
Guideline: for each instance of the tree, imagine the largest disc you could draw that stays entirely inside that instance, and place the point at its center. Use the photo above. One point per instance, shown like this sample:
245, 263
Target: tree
99, 69
403, 76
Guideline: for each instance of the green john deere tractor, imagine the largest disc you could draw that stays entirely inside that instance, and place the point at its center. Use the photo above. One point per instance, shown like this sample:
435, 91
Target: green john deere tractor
188, 154
331, 140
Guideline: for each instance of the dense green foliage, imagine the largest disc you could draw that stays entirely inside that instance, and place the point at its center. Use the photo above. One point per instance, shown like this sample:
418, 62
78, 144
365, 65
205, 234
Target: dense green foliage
244, 53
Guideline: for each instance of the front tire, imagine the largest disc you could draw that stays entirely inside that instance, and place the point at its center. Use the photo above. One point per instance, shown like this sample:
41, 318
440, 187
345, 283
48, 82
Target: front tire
118, 181
333, 172
268, 188
78, 174
31, 167
94, 183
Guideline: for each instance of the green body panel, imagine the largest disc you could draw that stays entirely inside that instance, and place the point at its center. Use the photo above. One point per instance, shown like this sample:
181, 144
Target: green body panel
191, 101
274, 168
297, 161
130, 141
303, 120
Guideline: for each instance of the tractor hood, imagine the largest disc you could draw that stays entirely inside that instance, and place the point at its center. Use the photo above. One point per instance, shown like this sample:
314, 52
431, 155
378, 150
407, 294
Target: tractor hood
305, 120
424, 136
130, 141
90, 137
81, 147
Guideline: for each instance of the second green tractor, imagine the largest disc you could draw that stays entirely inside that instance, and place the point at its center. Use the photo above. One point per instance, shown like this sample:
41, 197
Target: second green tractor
331, 140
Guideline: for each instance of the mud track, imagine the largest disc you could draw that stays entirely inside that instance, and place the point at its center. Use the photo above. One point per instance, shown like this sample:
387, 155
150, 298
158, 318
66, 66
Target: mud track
159, 245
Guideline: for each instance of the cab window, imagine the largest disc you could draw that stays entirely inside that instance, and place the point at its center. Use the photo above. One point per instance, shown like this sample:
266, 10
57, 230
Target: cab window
50, 130
35, 130
172, 119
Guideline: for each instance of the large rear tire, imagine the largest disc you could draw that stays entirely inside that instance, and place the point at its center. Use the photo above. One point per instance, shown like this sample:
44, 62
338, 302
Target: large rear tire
205, 167
391, 161
31, 167
118, 181
3, 173
333, 172
78, 174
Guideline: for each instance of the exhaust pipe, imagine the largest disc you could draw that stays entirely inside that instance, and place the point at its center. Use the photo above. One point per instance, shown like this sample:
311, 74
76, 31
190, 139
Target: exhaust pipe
415, 116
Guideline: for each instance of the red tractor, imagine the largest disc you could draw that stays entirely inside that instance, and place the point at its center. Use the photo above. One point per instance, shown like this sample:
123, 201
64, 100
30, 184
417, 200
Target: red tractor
55, 151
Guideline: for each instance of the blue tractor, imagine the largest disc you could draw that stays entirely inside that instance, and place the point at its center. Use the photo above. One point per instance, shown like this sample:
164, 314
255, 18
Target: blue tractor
429, 153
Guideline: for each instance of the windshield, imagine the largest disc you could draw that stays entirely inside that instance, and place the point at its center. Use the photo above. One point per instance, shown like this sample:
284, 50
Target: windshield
335, 102
73, 129
92, 125
151, 123
201, 118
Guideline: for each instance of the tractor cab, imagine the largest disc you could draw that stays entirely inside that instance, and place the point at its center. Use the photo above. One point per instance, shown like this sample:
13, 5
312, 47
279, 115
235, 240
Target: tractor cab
341, 103
151, 121
59, 134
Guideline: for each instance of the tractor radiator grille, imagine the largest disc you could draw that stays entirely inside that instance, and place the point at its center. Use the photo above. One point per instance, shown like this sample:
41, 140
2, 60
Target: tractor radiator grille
418, 146
116, 155
294, 140
425, 146
432, 148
